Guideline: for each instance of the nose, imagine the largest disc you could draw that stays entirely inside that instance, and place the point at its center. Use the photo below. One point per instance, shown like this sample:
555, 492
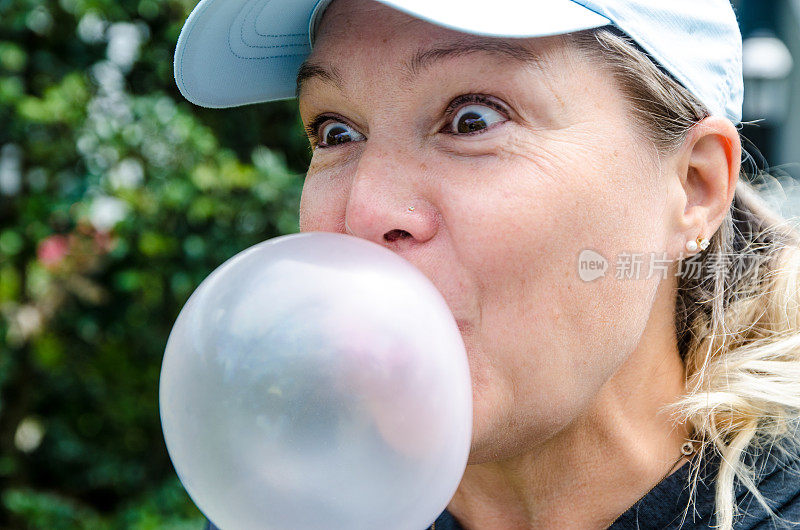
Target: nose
386, 203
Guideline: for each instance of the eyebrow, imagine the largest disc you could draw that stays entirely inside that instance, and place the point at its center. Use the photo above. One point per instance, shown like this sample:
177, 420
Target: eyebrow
424, 59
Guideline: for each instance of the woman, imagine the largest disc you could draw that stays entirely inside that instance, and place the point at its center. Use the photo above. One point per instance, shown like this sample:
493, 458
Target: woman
630, 307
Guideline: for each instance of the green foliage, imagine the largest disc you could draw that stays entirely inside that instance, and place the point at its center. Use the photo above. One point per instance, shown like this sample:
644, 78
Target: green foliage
164, 508
117, 198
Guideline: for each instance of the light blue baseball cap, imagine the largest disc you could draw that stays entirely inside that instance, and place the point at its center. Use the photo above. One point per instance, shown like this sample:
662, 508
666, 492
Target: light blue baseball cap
238, 52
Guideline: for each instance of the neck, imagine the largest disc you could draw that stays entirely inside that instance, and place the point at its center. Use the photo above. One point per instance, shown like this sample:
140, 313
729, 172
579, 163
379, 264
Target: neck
603, 462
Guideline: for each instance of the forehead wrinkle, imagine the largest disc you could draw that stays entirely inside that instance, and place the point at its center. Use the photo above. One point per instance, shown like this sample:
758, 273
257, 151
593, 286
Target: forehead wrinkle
424, 59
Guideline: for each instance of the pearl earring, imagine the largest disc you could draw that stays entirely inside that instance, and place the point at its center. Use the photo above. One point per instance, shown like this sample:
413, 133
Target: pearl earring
701, 243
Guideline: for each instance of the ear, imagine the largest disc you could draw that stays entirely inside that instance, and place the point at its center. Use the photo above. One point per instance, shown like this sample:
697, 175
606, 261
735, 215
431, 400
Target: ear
706, 171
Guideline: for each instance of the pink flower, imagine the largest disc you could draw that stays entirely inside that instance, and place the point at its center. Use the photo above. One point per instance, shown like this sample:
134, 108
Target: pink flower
52, 250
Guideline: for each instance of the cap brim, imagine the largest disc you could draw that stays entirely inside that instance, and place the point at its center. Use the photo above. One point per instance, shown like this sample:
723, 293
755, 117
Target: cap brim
238, 52
504, 18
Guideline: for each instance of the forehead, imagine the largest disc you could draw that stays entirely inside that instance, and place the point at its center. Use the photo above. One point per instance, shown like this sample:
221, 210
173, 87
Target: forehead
369, 31
368, 17
372, 20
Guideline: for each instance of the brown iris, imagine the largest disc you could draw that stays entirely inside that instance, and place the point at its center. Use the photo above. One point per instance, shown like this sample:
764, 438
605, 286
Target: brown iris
470, 122
337, 135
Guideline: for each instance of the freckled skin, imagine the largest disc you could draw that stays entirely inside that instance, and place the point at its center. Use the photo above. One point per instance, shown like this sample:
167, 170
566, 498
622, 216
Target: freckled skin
499, 220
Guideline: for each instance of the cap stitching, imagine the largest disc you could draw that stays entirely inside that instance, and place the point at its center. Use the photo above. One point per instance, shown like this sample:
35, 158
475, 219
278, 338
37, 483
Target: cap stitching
241, 33
241, 37
189, 34
253, 4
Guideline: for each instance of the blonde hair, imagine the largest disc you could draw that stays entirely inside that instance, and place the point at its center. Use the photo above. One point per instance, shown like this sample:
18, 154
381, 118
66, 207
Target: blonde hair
738, 322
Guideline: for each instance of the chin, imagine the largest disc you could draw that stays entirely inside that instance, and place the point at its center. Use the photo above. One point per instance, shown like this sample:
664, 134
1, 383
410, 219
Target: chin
494, 449
501, 433
492, 437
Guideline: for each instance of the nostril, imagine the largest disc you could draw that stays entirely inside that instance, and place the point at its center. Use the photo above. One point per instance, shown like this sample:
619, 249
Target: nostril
395, 234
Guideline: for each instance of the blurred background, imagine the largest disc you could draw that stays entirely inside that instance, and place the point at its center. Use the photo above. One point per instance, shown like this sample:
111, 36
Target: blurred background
117, 197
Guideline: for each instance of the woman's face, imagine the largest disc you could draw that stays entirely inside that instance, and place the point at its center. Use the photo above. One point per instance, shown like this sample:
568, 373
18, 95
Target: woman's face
490, 164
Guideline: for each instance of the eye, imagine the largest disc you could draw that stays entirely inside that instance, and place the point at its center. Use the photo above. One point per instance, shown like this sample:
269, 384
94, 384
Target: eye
326, 131
480, 115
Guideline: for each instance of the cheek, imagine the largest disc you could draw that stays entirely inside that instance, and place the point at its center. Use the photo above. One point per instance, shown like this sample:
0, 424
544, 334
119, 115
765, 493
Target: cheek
541, 202
322, 202
553, 338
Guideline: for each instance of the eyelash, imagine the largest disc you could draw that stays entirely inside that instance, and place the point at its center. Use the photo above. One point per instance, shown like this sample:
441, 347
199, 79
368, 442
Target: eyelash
463, 101
312, 129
